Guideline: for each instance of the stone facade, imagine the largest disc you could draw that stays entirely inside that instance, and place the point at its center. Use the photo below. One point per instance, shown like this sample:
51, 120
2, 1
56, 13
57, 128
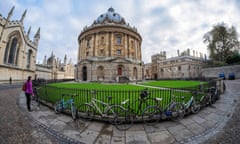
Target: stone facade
53, 68
109, 50
17, 51
18, 54
184, 66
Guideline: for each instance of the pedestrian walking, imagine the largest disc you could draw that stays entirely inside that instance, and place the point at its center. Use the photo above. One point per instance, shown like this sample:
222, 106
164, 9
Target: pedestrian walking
28, 92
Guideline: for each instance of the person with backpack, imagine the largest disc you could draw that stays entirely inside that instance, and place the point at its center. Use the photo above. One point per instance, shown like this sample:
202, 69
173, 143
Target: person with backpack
28, 89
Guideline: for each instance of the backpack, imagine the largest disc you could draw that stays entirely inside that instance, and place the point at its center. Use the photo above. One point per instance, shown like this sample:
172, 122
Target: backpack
24, 87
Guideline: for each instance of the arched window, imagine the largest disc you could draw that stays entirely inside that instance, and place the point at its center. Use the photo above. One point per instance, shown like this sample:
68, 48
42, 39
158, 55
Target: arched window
100, 73
135, 73
11, 51
29, 58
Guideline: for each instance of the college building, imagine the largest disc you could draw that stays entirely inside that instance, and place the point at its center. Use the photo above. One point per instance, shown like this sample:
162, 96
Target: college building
184, 66
18, 54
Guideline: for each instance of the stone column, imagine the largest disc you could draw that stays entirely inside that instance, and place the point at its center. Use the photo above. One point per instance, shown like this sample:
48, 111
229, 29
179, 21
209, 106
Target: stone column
125, 45
94, 47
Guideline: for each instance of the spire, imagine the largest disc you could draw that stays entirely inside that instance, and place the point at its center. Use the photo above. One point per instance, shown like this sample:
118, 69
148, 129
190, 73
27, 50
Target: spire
10, 13
23, 16
45, 60
29, 30
37, 36
65, 59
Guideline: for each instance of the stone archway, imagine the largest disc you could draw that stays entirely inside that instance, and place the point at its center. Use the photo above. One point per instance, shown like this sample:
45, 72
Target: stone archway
84, 73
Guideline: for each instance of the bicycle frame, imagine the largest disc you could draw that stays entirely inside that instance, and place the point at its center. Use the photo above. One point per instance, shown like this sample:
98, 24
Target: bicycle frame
62, 105
94, 104
66, 103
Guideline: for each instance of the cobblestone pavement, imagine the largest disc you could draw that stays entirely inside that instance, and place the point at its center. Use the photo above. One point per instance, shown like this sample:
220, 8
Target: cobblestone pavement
44, 126
230, 134
15, 127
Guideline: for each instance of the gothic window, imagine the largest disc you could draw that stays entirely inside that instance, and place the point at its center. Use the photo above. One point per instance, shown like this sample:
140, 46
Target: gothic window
6, 53
29, 55
119, 40
11, 51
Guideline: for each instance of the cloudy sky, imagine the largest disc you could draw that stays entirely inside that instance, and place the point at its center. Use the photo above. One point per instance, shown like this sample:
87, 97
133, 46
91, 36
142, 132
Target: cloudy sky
165, 25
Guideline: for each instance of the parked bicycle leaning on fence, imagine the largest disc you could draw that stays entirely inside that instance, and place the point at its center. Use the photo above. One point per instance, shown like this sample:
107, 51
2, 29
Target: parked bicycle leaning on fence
63, 105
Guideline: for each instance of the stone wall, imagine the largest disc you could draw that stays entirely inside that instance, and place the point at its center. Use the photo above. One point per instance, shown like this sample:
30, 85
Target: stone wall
214, 72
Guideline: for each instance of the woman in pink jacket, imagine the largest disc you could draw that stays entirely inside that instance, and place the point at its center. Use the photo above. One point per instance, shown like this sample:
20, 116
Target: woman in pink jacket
29, 92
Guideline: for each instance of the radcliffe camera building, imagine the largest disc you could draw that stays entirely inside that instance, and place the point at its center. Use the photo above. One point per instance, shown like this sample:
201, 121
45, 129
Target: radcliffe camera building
109, 50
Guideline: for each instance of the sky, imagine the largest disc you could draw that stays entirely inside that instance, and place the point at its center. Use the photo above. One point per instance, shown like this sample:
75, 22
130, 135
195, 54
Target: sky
165, 25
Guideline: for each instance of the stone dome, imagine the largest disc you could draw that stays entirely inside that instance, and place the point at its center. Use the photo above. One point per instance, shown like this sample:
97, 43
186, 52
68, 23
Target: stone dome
110, 17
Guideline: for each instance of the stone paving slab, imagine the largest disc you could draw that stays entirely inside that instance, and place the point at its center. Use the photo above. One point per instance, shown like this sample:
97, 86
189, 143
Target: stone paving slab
165, 132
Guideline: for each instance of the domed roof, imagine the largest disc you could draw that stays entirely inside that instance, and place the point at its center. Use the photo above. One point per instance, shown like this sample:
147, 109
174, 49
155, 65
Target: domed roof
110, 17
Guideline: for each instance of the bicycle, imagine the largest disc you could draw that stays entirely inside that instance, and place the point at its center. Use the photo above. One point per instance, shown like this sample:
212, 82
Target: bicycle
191, 106
88, 110
125, 119
62, 105
36, 91
153, 114
215, 94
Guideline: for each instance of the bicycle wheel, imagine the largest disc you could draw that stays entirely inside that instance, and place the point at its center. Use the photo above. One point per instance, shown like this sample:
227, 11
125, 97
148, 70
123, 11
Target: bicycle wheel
111, 113
178, 111
195, 108
123, 119
86, 112
73, 111
58, 107
151, 115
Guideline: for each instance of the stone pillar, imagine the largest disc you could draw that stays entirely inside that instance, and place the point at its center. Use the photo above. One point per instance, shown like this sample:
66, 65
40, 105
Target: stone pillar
125, 45
94, 44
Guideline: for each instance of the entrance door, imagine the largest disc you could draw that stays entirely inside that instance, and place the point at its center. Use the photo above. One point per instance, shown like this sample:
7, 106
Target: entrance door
84, 72
119, 71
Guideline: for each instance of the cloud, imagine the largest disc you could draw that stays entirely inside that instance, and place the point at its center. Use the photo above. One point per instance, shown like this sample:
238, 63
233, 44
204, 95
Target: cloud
164, 25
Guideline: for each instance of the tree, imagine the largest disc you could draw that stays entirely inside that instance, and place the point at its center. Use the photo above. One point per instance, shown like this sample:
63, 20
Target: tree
222, 41
233, 58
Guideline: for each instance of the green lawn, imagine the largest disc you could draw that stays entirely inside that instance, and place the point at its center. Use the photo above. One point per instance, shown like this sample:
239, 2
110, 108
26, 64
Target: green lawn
173, 83
119, 92
97, 86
